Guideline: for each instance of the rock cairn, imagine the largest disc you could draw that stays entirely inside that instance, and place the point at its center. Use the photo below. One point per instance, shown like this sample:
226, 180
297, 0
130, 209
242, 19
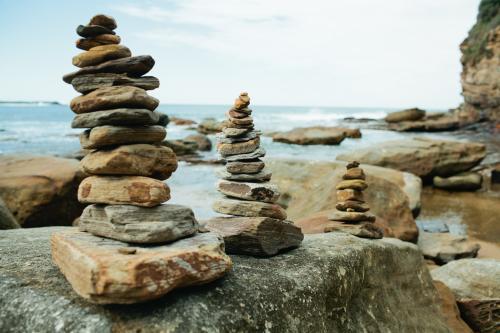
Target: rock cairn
352, 211
129, 247
258, 225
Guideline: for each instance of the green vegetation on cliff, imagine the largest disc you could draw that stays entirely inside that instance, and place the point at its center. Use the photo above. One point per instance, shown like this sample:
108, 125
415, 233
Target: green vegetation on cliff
488, 18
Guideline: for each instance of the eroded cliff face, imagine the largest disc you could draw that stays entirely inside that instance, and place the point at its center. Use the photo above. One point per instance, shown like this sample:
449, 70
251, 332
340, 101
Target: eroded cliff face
481, 65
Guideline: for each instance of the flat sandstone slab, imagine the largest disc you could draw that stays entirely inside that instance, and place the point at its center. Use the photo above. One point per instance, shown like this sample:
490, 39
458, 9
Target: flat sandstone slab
249, 208
90, 82
259, 177
264, 192
116, 117
257, 236
104, 136
129, 190
106, 271
132, 224
362, 229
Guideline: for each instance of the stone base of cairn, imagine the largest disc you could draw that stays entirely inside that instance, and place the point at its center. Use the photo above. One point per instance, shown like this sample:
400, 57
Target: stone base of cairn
258, 226
129, 247
352, 212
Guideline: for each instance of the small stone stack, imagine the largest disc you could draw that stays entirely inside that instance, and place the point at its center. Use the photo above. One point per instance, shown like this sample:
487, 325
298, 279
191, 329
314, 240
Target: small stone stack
258, 226
129, 247
352, 212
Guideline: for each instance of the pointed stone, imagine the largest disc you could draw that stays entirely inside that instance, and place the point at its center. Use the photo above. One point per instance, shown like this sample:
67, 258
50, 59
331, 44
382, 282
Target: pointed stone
116, 117
351, 165
132, 224
346, 195
362, 229
113, 98
354, 205
353, 184
351, 217
262, 176
158, 162
104, 136
245, 167
100, 54
107, 271
249, 191
256, 236
90, 82
133, 66
249, 208
242, 101
128, 190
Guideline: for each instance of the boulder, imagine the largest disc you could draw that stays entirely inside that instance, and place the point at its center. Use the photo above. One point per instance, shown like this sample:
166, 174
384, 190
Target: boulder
136, 160
116, 117
449, 309
182, 121
263, 176
132, 224
100, 54
448, 123
90, 82
210, 126
257, 236
181, 147
476, 286
106, 271
392, 195
331, 283
361, 229
202, 141
405, 115
104, 136
421, 156
128, 190
317, 135
7, 220
249, 208
466, 181
40, 190
133, 66
444, 247
113, 98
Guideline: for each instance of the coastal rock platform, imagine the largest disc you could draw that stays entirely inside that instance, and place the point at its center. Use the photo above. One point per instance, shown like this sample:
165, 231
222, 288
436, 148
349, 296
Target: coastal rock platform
332, 283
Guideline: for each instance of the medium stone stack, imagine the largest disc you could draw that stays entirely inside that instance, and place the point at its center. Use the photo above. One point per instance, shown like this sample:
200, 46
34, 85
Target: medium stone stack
147, 246
258, 226
352, 211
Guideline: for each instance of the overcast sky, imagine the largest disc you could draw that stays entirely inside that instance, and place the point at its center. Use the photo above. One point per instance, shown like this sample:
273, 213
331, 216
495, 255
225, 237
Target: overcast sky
392, 53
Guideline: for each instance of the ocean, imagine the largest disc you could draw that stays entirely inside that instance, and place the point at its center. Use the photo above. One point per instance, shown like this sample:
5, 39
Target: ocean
46, 129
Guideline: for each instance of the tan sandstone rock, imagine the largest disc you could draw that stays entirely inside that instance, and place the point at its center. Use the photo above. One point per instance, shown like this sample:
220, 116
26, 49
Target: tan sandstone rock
264, 192
249, 208
106, 271
131, 190
99, 54
104, 39
103, 136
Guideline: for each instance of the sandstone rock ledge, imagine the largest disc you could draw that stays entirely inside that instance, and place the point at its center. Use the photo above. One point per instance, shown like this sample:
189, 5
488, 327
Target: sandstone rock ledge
332, 283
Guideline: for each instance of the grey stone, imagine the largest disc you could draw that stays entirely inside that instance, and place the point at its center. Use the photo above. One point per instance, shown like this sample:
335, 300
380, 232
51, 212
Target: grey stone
466, 181
117, 117
362, 229
245, 166
93, 30
133, 66
163, 119
7, 220
232, 132
249, 208
260, 152
444, 247
90, 82
262, 176
351, 217
332, 283
202, 141
257, 236
222, 138
132, 224
264, 192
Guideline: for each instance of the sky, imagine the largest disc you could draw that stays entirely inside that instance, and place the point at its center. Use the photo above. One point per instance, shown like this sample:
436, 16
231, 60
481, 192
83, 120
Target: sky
366, 53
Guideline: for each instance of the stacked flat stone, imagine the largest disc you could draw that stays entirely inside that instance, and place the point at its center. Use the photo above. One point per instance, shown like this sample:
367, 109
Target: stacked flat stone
106, 261
248, 193
352, 210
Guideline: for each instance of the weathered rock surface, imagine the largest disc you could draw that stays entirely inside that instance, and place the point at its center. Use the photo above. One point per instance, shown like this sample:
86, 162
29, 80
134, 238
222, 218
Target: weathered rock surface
141, 160
420, 156
90, 82
93, 30
104, 39
249, 208
113, 98
246, 136
181, 147
132, 224
443, 247
257, 236
238, 148
392, 195
447, 123
210, 126
363, 229
450, 310
104, 136
476, 286
104, 21
129, 190
116, 117
249, 191
245, 167
318, 135
332, 283
100, 54
7, 220
202, 141
262, 176
106, 271
133, 66
40, 190
351, 217
182, 121
235, 132
467, 181
405, 115
260, 152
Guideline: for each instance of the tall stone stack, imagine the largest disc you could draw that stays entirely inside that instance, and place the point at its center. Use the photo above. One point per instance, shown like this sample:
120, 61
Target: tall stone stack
352, 211
129, 247
258, 224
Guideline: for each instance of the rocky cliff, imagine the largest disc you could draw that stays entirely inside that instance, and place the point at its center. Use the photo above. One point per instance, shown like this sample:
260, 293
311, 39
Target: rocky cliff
481, 65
